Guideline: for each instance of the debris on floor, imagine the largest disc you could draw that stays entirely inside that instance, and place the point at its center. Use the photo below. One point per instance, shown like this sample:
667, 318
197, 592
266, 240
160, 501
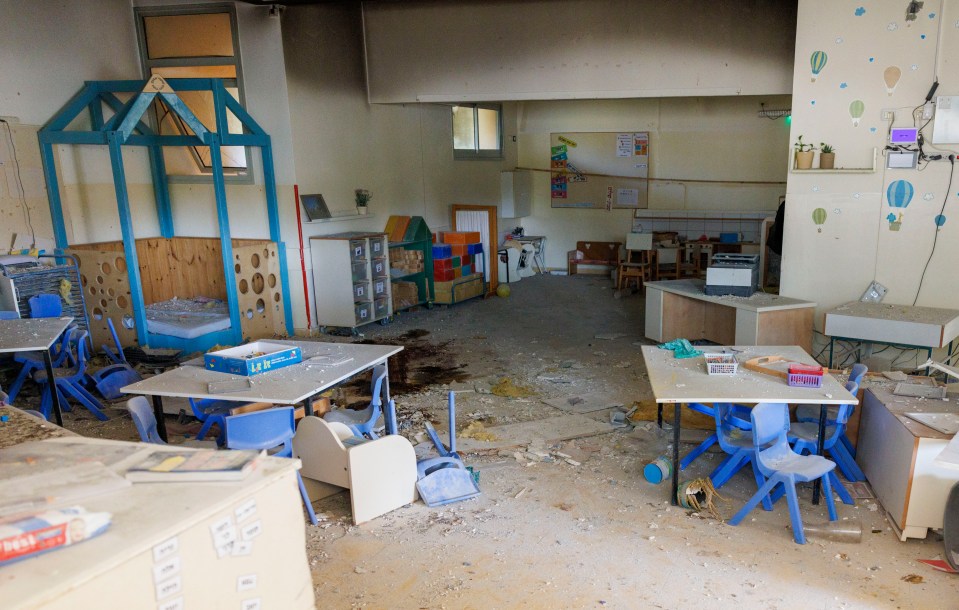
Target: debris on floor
508, 389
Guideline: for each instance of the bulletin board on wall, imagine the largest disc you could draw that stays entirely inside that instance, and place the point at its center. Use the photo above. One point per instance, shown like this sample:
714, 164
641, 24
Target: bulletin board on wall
599, 170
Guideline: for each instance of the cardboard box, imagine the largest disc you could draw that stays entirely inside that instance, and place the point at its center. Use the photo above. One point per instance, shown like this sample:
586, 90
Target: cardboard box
252, 358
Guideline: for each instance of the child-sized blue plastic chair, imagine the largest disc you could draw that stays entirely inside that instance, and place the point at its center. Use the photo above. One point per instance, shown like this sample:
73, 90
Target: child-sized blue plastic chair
738, 411
364, 421
33, 361
45, 306
209, 412
739, 445
804, 437
144, 420
267, 429
809, 413
68, 381
782, 466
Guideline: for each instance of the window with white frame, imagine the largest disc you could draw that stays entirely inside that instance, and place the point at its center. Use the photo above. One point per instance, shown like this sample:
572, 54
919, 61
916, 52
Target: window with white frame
478, 131
194, 42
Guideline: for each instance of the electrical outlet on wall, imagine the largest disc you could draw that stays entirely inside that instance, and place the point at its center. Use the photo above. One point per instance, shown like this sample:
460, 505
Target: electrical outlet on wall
887, 115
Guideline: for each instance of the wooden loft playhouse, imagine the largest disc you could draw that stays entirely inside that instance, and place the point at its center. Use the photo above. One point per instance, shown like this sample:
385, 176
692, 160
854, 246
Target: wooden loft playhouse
168, 291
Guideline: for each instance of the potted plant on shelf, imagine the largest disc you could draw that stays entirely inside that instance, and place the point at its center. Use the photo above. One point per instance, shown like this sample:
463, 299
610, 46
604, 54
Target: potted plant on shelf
804, 154
363, 197
827, 156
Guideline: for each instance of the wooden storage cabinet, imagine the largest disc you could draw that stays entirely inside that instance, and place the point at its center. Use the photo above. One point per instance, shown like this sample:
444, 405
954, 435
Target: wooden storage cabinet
896, 454
351, 279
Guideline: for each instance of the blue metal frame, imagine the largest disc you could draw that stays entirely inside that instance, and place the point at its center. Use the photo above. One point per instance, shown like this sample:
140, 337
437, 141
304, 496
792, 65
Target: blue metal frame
126, 127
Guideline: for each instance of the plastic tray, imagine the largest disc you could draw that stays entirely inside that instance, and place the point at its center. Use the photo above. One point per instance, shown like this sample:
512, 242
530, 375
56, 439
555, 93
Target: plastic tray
721, 364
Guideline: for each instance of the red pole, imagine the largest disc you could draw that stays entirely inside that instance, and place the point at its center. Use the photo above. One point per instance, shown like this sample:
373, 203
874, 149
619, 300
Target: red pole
299, 228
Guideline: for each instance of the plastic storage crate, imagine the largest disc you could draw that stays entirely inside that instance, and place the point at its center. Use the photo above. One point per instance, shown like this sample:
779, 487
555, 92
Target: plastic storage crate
801, 380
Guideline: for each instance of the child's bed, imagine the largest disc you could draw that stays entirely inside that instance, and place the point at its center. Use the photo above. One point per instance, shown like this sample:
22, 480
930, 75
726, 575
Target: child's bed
187, 318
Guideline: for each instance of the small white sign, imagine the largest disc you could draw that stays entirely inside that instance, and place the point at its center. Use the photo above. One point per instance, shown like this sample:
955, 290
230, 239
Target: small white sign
251, 531
245, 583
246, 510
242, 548
624, 145
250, 604
225, 550
169, 587
173, 604
165, 549
166, 569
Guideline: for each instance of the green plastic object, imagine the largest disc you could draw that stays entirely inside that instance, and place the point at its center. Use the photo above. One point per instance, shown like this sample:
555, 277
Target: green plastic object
682, 348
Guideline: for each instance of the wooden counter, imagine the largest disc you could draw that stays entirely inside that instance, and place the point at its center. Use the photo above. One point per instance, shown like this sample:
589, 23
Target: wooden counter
680, 309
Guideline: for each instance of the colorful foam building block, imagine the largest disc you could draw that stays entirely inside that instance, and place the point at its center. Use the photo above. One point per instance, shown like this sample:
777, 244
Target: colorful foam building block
474, 248
457, 272
442, 263
458, 249
444, 275
466, 259
459, 237
467, 269
457, 262
441, 251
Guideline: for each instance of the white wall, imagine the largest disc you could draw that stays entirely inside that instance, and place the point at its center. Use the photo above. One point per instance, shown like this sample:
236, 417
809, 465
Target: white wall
477, 50
702, 150
401, 153
856, 243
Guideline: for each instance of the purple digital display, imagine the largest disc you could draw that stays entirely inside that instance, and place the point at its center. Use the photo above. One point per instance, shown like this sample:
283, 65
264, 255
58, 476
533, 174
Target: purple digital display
903, 135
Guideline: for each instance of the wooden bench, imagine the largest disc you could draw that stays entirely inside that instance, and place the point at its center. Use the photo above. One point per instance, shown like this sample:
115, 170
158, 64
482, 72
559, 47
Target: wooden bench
604, 253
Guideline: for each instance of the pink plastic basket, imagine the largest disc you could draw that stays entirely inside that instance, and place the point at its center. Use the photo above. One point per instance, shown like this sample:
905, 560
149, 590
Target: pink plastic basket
804, 381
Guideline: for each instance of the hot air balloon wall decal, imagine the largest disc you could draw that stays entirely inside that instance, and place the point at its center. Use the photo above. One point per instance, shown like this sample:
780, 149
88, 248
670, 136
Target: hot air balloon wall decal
899, 193
891, 76
856, 108
819, 217
817, 61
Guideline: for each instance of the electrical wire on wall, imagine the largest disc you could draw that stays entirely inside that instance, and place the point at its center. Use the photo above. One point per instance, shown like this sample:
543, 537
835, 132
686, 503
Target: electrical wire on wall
22, 193
935, 239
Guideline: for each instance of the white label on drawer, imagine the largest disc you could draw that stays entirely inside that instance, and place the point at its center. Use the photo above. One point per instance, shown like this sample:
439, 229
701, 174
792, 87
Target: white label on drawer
360, 290
357, 251
173, 604
251, 531
245, 583
166, 569
169, 587
242, 548
250, 604
165, 549
246, 510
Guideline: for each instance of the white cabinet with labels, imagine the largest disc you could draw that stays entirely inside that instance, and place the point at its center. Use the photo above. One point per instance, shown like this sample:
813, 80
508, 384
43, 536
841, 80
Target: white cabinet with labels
351, 279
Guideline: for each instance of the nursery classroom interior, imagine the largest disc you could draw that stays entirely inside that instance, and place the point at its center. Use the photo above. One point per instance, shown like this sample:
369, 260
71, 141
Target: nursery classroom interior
479, 304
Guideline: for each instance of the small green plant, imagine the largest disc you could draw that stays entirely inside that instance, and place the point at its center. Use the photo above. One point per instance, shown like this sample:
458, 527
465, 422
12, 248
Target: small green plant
826, 148
800, 147
363, 197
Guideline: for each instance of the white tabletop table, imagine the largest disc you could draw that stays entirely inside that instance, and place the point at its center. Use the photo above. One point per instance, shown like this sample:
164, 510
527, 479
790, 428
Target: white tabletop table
35, 335
286, 386
884, 323
683, 381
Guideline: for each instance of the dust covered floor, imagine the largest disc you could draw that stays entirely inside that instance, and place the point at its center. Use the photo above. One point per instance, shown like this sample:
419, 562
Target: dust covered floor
546, 533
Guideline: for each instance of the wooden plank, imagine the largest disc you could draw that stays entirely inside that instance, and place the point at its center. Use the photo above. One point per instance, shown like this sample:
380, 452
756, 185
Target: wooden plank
550, 430
786, 327
683, 317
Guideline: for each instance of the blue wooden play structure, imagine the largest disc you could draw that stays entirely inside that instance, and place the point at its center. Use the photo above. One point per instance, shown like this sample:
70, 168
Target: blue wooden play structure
115, 123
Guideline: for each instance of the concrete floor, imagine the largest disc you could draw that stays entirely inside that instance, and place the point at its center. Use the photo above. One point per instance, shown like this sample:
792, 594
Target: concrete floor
594, 535
554, 535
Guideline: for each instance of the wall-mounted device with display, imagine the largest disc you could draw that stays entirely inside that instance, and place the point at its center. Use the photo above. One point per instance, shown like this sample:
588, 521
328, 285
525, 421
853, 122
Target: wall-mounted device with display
902, 160
904, 136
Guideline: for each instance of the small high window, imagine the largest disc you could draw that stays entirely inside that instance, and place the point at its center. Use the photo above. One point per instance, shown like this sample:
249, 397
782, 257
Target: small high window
194, 42
478, 131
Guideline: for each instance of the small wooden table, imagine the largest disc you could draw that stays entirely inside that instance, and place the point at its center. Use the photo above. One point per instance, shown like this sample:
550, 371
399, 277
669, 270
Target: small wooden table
286, 386
36, 335
685, 381
680, 309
